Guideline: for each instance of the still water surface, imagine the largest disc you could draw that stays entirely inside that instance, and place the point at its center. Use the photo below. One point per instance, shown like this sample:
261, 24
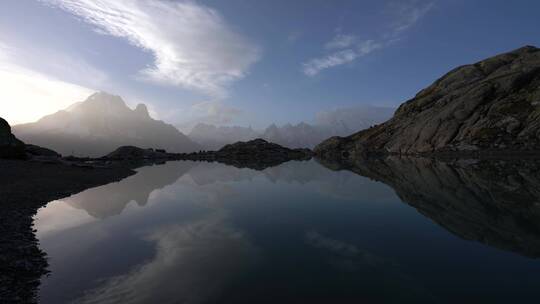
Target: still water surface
187, 232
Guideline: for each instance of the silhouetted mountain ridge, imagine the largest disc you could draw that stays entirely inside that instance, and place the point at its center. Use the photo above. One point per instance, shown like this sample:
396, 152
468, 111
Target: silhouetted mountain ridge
99, 125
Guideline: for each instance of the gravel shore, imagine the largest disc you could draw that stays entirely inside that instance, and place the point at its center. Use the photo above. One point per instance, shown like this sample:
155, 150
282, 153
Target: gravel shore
25, 186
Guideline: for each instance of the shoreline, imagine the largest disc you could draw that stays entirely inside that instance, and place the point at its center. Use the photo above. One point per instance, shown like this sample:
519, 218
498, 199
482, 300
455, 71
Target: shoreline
26, 187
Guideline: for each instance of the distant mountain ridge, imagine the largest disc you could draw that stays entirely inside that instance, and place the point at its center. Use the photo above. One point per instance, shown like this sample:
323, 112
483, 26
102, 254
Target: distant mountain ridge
338, 122
99, 125
213, 137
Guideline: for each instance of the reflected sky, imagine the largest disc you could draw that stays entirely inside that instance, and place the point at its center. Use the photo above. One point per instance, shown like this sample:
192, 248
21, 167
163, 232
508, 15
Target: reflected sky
186, 232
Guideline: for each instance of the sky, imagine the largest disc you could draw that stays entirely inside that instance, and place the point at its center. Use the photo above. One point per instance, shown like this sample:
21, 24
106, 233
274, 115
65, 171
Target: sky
244, 62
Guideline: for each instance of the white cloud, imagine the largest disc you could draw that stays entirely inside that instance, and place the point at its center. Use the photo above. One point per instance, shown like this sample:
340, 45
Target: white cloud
27, 95
368, 46
404, 15
188, 265
193, 46
341, 41
314, 66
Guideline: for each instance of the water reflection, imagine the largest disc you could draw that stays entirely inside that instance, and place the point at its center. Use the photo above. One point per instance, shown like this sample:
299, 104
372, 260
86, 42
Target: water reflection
298, 232
192, 264
111, 199
493, 202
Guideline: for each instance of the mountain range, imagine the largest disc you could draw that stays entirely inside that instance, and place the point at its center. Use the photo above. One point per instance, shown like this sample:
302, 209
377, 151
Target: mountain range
99, 125
338, 122
103, 122
214, 137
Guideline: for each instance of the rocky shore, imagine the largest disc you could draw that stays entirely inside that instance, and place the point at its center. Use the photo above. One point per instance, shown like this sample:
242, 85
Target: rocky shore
27, 186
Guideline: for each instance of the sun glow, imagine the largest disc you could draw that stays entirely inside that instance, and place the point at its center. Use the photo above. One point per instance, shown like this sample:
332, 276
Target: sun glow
26, 95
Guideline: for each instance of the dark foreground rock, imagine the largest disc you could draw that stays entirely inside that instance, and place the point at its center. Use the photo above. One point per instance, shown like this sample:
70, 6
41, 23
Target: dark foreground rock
256, 154
495, 202
10, 146
491, 107
33, 151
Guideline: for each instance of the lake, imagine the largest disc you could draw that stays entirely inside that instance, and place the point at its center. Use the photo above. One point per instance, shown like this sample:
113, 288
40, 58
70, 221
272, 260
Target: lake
388, 232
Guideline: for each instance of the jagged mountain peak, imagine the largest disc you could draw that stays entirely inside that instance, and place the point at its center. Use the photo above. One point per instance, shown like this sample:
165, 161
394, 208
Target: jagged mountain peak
100, 124
142, 110
101, 103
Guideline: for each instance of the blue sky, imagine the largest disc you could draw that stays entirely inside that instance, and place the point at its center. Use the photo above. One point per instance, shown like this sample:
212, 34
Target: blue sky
244, 62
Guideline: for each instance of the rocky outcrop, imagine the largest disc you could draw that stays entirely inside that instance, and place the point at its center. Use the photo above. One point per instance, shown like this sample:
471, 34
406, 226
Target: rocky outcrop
490, 107
493, 202
135, 153
34, 151
256, 154
10, 146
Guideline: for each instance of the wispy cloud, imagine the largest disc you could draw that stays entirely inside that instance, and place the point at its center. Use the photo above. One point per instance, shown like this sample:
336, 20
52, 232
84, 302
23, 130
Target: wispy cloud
347, 48
314, 66
363, 48
407, 13
341, 41
193, 46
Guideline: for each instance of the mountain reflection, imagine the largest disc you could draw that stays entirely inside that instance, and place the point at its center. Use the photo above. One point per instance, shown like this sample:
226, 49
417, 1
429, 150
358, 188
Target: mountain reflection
212, 233
112, 199
493, 202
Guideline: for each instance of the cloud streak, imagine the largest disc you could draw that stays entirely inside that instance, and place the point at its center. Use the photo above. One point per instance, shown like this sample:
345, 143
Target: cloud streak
192, 45
346, 48
408, 13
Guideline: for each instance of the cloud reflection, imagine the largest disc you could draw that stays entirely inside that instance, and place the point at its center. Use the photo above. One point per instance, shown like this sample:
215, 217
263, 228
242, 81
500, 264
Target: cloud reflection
192, 264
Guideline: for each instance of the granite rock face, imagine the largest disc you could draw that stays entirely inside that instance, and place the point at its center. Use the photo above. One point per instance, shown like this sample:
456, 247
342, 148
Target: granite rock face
492, 106
493, 202
10, 146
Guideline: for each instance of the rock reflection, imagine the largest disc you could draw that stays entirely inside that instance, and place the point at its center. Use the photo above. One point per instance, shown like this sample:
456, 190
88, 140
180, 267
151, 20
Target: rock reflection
493, 202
